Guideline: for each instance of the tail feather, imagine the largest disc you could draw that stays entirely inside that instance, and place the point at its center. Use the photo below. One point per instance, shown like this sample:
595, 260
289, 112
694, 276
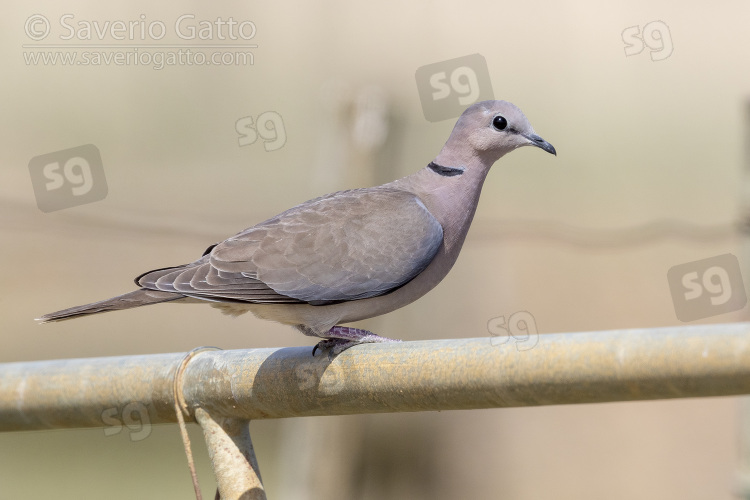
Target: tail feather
142, 297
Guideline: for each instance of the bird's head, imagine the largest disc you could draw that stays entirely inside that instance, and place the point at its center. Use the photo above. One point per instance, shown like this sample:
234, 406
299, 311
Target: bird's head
488, 130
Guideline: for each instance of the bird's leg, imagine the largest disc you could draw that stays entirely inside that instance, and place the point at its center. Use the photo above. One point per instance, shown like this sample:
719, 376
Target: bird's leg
340, 338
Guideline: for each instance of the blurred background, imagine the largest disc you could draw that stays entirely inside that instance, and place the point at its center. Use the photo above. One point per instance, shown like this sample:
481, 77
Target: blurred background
645, 102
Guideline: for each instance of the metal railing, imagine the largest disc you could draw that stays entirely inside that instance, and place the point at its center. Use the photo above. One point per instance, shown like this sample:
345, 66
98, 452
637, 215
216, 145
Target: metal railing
228, 388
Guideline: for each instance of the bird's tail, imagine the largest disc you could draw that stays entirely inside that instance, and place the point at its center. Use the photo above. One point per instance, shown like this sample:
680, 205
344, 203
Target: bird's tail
142, 297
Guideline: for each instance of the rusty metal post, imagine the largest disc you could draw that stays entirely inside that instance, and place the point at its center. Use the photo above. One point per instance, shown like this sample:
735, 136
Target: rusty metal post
743, 473
232, 456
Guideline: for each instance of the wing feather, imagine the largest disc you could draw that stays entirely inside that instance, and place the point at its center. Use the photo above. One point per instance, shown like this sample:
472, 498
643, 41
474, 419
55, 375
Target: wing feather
346, 246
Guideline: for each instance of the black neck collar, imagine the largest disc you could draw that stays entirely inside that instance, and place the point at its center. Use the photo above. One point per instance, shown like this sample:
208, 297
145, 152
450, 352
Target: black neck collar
445, 171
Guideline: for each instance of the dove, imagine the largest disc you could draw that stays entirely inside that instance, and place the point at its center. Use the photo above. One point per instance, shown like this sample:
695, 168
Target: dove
349, 255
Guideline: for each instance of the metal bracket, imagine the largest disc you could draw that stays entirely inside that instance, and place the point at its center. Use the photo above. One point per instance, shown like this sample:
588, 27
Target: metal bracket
232, 456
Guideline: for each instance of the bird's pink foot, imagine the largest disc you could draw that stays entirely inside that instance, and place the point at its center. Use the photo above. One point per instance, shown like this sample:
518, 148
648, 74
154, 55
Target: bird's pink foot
340, 338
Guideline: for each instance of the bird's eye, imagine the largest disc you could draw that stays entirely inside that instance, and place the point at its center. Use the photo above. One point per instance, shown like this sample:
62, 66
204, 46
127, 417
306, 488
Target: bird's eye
499, 122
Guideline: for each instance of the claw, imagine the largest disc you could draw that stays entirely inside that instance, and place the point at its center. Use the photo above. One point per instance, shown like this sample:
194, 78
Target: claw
340, 338
323, 345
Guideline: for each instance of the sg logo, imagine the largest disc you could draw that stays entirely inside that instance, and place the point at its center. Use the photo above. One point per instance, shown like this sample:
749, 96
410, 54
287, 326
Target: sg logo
463, 81
655, 36
521, 327
448, 87
134, 416
68, 178
707, 287
326, 380
270, 128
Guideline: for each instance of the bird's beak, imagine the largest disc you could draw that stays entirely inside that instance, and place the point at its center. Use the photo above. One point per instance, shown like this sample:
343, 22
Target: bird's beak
537, 141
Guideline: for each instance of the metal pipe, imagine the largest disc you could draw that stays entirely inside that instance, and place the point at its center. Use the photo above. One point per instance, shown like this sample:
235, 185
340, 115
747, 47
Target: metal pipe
620, 365
232, 457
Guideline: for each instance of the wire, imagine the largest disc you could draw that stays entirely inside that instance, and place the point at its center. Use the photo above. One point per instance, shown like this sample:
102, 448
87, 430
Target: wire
482, 230
641, 234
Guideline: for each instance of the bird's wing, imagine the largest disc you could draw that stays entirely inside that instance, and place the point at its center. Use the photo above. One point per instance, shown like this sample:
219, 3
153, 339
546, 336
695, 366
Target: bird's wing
345, 246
